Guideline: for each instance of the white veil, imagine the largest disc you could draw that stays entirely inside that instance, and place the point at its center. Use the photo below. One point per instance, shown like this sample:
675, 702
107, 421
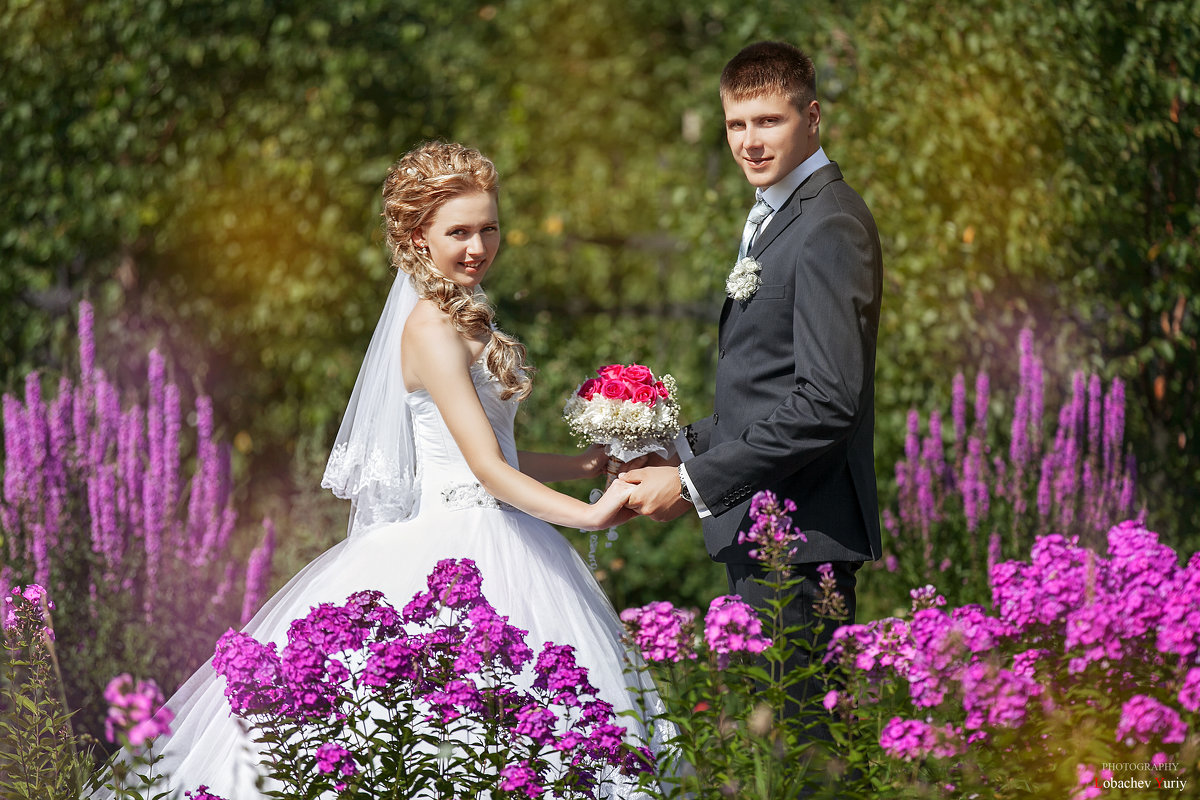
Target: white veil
373, 463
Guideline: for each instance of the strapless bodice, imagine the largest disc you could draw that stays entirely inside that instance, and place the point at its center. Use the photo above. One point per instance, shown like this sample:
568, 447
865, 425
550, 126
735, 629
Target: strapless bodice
443, 476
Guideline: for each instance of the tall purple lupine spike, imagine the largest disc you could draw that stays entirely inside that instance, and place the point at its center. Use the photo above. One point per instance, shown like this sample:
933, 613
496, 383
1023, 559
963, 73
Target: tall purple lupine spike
1037, 402
152, 483
925, 509
933, 451
958, 416
1045, 481
172, 422
1128, 481
1094, 417
904, 492
1114, 431
15, 468
258, 572
982, 399
970, 482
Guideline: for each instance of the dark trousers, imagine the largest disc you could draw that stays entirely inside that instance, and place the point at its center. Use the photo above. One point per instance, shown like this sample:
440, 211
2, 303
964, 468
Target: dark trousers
809, 645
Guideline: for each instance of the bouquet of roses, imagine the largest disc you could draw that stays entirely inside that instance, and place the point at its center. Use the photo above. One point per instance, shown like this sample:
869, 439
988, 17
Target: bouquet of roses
627, 410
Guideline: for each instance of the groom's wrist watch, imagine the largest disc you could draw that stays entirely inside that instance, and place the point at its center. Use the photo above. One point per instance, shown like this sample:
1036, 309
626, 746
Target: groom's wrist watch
683, 488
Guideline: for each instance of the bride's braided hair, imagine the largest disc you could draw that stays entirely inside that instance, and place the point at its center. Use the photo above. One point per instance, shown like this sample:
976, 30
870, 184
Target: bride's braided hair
415, 188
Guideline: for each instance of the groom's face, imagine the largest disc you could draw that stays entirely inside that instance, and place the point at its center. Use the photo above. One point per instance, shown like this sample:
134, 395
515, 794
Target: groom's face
769, 137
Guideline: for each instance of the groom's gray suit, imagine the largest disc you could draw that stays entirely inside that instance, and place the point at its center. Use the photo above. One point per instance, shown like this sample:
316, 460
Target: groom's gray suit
794, 404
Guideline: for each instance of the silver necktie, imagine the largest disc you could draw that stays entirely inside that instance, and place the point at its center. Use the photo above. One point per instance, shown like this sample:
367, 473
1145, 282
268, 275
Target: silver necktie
757, 214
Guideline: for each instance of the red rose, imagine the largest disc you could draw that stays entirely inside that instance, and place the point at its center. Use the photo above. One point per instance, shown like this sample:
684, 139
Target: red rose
589, 388
611, 373
615, 390
661, 388
636, 373
646, 395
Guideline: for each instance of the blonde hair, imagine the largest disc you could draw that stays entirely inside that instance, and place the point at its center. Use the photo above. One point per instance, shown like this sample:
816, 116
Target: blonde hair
415, 188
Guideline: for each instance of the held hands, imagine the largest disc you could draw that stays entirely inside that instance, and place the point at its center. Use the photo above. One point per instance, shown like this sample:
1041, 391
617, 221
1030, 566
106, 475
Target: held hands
610, 510
655, 492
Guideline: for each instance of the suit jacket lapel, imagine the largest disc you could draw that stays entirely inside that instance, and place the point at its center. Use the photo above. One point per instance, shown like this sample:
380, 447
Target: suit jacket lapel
794, 206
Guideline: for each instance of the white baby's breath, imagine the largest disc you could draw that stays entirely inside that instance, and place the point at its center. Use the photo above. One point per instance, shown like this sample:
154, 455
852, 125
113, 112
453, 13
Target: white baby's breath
743, 280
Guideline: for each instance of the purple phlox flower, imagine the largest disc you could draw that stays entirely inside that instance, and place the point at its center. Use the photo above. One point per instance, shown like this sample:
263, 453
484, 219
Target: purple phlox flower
456, 697
395, 659
637, 761
926, 597
1093, 633
557, 673
1146, 720
312, 679
456, 583
523, 778
915, 740
996, 698
875, 648
1189, 690
332, 629
980, 632
333, 759
1088, 780
491, 637
606, 742
537, 724
135, 711
660, 631
252, 674
771, 533
732, 626
1025, 662
202, 793
597, 712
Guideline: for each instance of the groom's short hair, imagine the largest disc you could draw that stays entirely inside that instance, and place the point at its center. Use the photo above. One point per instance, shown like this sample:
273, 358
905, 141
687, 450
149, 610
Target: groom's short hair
769, 68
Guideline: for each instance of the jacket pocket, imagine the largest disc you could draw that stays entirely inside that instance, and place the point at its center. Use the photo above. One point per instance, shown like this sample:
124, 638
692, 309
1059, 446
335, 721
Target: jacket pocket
772, 292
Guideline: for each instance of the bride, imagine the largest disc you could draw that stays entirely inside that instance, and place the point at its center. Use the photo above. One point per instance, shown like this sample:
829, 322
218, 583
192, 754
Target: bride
427, 457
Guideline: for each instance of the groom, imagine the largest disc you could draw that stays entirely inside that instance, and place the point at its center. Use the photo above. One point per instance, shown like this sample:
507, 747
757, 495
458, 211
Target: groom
794, 401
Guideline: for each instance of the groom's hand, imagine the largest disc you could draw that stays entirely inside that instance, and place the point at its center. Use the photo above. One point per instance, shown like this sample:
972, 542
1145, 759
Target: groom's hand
656, 493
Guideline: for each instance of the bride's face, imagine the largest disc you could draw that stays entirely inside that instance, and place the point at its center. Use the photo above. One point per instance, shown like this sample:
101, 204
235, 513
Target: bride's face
463, 237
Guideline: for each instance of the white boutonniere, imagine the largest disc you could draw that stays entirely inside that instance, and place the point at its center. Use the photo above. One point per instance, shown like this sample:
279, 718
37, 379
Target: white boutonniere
743, 280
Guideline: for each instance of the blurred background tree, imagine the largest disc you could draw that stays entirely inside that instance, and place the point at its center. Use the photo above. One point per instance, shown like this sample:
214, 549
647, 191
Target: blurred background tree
207, 173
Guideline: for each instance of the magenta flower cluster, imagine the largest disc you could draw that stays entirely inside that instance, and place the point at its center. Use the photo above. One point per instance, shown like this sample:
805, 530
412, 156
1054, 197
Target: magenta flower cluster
29, 601
732, 626
660, 631
664, 633
772, 536
1079, 481
136, 714
447, 662
1125, 624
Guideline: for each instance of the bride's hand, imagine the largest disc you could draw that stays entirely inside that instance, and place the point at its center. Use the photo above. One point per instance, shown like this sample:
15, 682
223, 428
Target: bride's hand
610, 511
592, 461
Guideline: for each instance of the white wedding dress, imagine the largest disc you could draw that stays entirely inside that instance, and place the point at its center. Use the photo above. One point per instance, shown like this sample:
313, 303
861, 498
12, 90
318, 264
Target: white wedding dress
530, 574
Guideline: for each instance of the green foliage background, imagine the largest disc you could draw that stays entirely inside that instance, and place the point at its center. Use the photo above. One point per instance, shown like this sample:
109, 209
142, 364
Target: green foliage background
207, 173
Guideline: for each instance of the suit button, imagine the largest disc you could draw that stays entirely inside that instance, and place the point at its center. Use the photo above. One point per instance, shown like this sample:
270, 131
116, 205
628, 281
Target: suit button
716, 418
722, 353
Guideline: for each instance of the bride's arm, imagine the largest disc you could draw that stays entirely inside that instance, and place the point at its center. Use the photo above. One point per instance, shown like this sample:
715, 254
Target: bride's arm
439, 358
550, 467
